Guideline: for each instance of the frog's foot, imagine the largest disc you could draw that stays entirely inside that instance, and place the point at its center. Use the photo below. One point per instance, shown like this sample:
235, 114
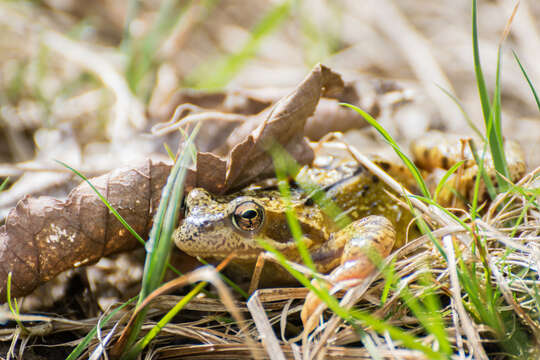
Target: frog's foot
365, 243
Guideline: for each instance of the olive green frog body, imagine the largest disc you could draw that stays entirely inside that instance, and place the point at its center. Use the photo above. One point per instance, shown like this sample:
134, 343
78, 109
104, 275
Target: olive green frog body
345, 213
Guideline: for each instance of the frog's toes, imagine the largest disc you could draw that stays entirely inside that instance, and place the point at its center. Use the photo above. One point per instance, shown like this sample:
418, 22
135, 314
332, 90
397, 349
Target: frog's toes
368, 242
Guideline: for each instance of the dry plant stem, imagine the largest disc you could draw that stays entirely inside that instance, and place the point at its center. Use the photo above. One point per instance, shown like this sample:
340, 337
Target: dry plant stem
297, 353
279, 294
199, 114
525, 182
128, 108
99, 351
459, 338
11, 351
508, 296
455, 289
348, 301
493, 233
254, 283
283, 318
390, 345
266, 333
169, 286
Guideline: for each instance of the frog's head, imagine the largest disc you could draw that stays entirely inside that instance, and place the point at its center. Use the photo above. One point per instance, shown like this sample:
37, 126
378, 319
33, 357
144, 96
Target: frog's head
215, 226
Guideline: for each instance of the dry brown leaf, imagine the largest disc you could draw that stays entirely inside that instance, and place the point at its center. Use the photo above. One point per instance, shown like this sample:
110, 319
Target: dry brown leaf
230, 116
44, 236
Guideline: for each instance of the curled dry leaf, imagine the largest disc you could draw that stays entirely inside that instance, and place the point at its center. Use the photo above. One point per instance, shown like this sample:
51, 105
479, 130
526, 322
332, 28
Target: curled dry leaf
249, 160
44, 236
231, 115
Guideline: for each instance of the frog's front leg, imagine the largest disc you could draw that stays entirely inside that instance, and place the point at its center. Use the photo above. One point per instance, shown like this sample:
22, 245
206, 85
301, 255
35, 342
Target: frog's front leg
355, 250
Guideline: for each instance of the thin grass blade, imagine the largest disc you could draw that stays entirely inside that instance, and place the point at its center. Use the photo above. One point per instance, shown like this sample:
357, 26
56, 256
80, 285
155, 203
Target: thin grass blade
533, 90
159, 244
463, 112
495, 134
444, 179
412, 168
480, 82
83, 345
4, 184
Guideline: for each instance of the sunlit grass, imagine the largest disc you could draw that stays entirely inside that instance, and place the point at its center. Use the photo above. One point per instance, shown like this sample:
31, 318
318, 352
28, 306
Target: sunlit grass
531, 86
14, 305
159, 244
216, 74
491, 111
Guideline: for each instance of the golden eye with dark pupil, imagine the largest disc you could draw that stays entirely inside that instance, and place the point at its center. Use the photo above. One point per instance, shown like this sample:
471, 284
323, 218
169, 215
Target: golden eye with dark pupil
248, 216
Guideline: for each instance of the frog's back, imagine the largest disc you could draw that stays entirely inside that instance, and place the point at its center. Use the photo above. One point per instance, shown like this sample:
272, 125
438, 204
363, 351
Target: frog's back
355, 193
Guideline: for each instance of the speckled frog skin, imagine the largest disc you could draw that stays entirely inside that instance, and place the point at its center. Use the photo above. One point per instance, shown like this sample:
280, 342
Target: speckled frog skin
215, 226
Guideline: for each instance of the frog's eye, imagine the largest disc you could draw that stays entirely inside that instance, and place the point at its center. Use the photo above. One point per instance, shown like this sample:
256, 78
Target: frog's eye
248, 216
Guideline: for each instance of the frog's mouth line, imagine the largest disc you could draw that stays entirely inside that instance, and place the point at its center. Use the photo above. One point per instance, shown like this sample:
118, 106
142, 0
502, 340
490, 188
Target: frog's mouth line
240, 255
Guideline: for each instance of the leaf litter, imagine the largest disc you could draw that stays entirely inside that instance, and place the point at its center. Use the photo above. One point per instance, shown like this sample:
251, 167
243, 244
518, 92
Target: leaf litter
57, 234
495, 230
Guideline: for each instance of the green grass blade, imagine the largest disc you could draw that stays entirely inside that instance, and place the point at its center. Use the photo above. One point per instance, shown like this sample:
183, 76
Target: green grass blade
139, 346
4, 184
131, 14
159, 244
412, 168
495, 132
282, 166
480, 82
483, 175
83, 345
212, 76
444, 179
429, 314
533, 90
463, 112
141, 54
14, 307
105, 201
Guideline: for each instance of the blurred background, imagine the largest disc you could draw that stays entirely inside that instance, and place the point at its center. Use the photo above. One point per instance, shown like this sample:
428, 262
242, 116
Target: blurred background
84, 81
